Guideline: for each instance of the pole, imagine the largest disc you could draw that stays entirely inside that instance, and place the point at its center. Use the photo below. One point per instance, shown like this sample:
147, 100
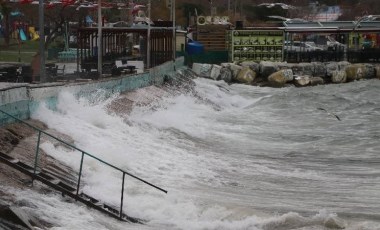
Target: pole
129, 12
235, 10
41, 24
210, 8
100, 40
37, 152
171, 10
80, 172
148, 39
19, 50
122, 198
241, 11
174, 40
229, 8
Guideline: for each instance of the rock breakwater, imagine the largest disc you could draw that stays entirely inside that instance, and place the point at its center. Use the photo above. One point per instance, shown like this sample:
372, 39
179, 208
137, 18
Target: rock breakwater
281, 74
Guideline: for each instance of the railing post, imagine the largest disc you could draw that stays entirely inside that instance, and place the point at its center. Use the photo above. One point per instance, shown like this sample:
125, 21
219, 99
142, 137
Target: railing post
122, 197
37, 151
80, 172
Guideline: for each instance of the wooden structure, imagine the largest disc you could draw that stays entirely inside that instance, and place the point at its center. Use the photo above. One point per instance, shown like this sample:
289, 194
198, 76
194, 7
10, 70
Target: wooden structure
212, 37
118, 42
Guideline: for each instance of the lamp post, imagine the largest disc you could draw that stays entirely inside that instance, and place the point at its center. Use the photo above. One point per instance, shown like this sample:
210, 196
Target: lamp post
228, 8
174, 39
100, 40
42, 40
148, 38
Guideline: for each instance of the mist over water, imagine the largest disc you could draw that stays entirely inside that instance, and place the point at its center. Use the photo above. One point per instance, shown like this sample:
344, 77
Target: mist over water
231, 157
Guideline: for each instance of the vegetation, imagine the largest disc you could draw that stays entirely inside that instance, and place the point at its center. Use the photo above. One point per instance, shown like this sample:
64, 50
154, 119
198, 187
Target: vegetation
15, 53
5, 10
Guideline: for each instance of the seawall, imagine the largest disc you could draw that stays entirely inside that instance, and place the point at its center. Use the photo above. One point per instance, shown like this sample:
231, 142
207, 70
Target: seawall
21, 100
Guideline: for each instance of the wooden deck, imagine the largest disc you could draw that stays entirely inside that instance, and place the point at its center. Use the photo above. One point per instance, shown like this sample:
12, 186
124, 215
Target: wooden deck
213, 37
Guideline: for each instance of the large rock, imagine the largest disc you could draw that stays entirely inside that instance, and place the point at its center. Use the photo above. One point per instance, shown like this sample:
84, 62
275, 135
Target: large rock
343, 64
235, 69
279, 78
252, 65
319, 69
246, 76
283, 65
339, 76
377, 71
288, 74
215, 72
354, 72
267, 68
303, 69
225, 74
203, 70
225, 64
360, 71
316, 81
296, 68
369, 71
331, 67
302, 81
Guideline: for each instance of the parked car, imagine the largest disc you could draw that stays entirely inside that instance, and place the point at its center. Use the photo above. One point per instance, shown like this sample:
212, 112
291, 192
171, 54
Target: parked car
326, 42
299, 46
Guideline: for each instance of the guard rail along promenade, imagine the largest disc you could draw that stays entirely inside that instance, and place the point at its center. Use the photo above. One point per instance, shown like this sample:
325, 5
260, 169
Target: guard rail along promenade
18, 101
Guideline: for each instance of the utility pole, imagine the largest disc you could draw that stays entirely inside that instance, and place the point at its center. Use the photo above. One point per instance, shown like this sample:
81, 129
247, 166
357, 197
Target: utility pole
169, 4
174, 30
229, 8
100, 42
41, 24
210, 7
235, 2
148, 38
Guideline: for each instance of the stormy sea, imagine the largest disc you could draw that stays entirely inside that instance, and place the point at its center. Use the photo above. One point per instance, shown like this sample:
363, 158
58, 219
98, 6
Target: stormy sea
231, 157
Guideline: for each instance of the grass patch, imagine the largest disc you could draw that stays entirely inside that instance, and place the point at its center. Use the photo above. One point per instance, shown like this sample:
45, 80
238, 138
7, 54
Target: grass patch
25, 45
14, 56
27, 50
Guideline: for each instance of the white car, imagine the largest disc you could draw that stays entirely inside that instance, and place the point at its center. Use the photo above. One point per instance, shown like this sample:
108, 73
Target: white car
299, 46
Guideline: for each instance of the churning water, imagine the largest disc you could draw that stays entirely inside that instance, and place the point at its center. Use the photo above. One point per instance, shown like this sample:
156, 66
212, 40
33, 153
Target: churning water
231, 157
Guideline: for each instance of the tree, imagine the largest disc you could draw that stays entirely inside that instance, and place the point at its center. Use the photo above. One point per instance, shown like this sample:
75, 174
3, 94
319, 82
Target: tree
5, 11
57, 18
261, 13
188, 10
159, 10
366, 7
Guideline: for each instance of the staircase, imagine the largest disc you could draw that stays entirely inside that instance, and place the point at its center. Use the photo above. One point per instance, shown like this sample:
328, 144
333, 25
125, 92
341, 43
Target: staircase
64, 185
47, 178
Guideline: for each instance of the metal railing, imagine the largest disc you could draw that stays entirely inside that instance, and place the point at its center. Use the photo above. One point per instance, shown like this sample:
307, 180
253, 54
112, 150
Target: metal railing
81, 162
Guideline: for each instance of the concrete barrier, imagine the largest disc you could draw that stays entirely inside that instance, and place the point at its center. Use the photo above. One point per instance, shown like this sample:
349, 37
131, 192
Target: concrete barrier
20, 100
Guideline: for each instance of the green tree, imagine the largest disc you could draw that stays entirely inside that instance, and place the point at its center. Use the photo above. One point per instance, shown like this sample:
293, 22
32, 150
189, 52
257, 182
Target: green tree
261, 13
188, 10
5, 11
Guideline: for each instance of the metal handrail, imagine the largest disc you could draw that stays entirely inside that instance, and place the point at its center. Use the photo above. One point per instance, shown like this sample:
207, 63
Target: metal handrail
82, 158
